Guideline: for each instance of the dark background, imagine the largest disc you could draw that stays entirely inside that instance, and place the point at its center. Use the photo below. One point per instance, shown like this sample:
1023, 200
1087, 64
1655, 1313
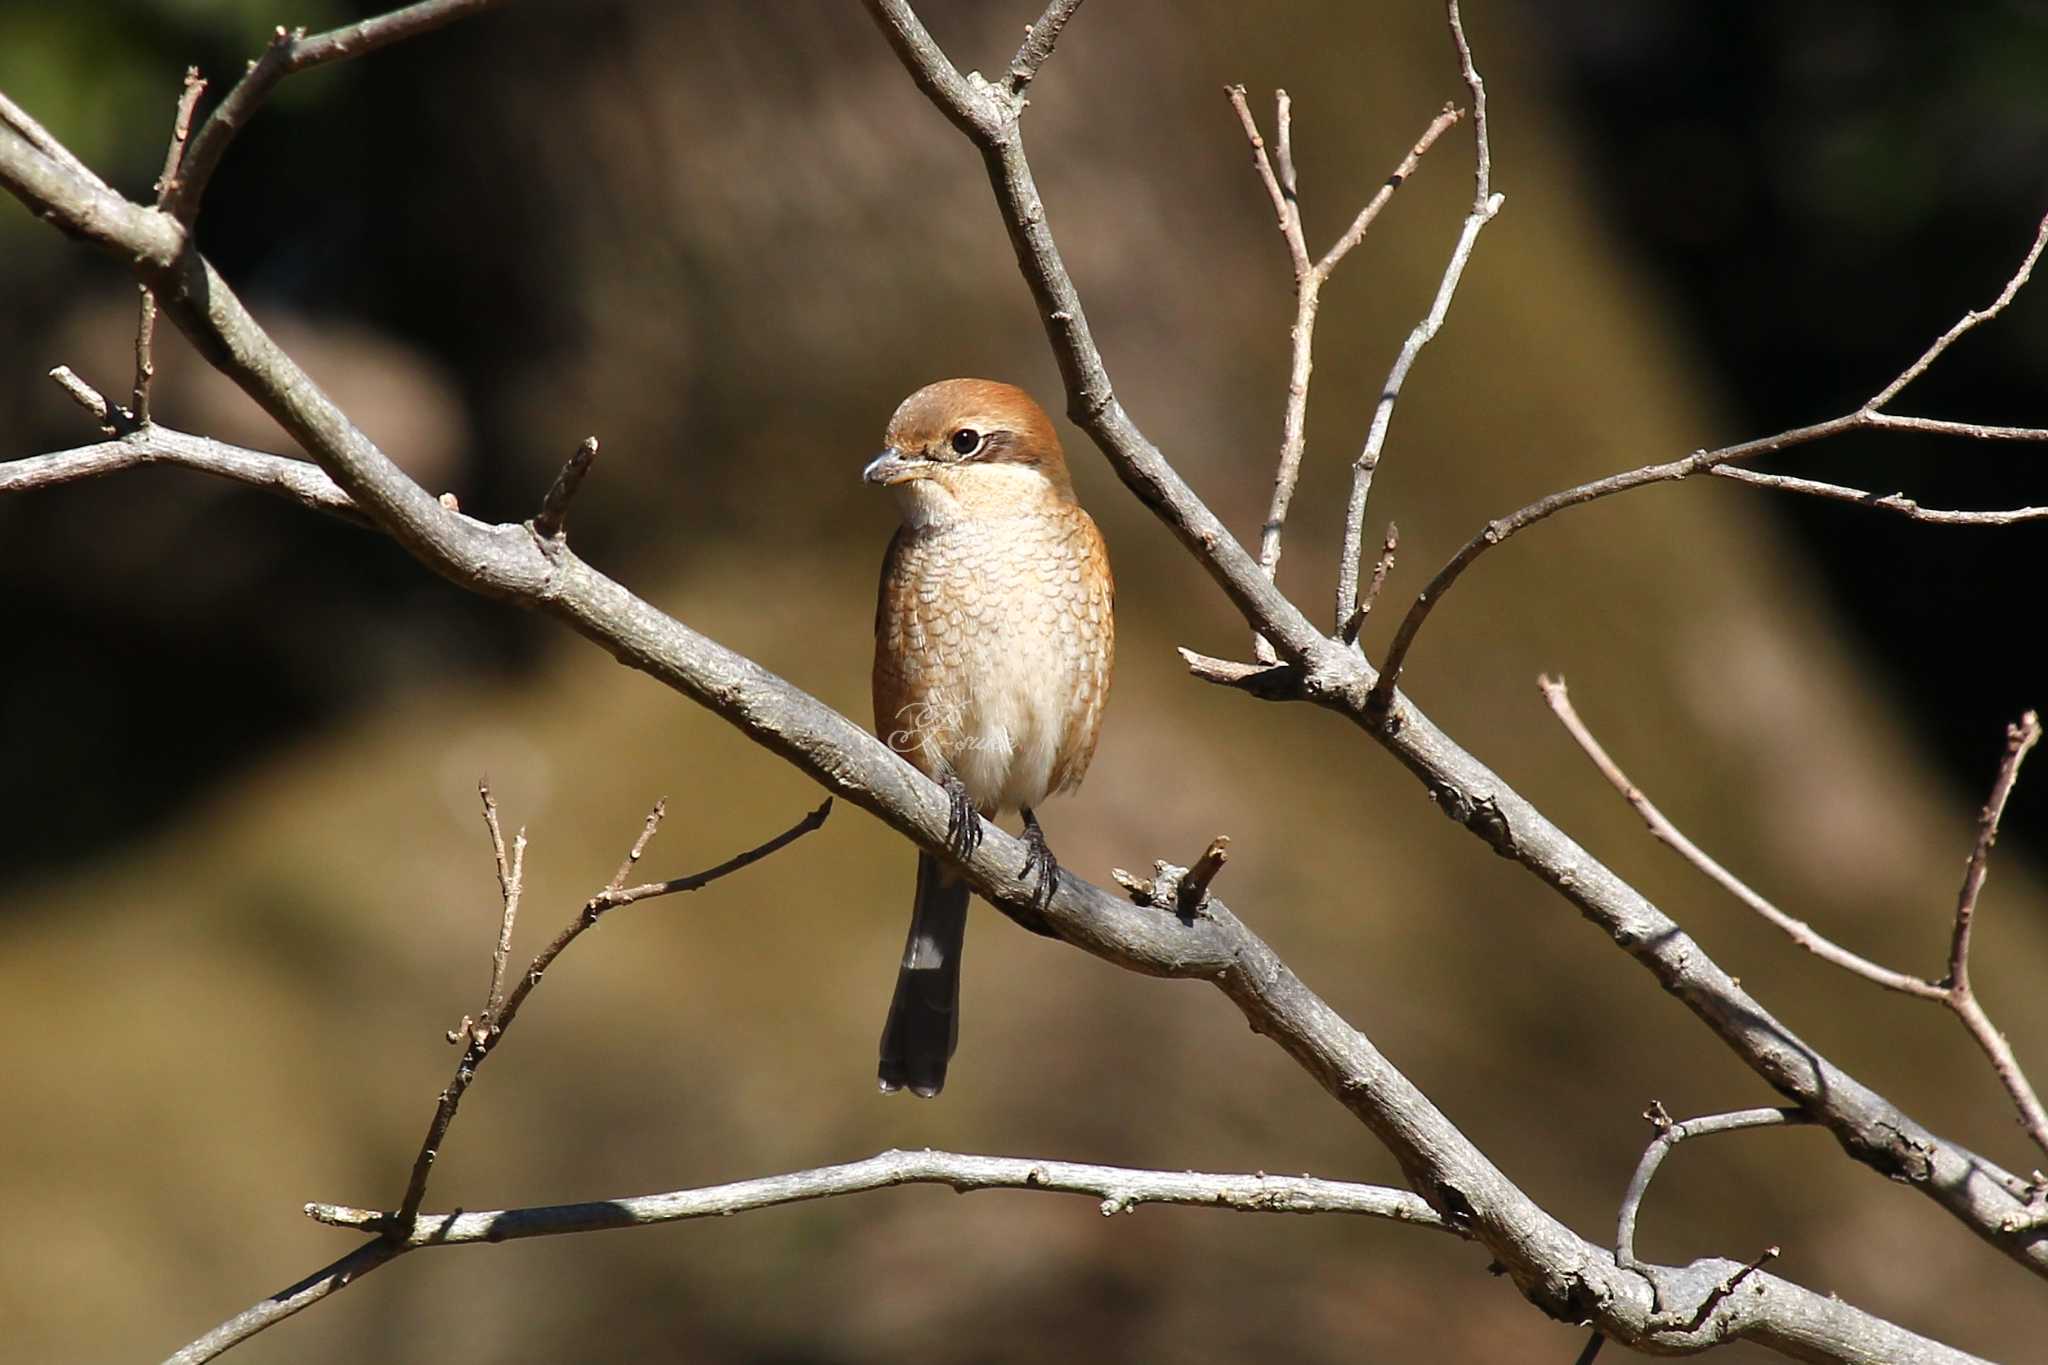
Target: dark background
240, 874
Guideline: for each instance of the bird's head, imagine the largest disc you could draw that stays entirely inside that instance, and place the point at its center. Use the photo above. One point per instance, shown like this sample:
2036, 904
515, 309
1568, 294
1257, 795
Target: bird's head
969, 447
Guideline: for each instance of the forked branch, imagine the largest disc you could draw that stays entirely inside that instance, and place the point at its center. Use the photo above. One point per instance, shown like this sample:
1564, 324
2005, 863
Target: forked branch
1870, 416
1953, 991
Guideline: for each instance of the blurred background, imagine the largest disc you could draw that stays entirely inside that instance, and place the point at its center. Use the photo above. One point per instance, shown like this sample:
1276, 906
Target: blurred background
243, 884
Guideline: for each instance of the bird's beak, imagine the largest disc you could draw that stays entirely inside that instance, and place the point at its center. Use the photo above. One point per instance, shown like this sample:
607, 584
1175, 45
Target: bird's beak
890, 467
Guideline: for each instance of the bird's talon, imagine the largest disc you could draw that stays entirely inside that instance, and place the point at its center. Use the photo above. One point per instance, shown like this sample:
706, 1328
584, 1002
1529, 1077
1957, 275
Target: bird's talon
963, 821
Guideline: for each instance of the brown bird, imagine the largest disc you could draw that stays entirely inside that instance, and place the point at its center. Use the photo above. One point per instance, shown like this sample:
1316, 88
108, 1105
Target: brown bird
994, 641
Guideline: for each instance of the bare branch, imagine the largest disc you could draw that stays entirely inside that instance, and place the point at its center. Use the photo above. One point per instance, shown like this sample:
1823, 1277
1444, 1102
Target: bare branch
1963, 324
1193, 891
1284, 206
1550, 1265
287, 1301
1383, 566
1955, 992
297, 480
17, 119
145, 322
483, 1039
1868, 417
1669, 1135
87, 397
1121, 1189
554, 509
511, 881
1039, 40
2019, 739
1672, 837
1485, 204
1309, 278
632, 858
290, 52
1482, 149
1888, 502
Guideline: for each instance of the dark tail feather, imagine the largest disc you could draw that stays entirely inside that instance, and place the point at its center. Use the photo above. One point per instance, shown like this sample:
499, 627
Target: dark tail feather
924, 1016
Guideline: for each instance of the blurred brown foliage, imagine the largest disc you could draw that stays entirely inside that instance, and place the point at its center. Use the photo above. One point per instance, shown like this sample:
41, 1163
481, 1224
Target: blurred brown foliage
725, 238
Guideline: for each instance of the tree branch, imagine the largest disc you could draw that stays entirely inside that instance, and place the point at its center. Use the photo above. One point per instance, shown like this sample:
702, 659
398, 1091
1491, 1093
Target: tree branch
1039, 40
1954, 992
1485, 204
1121, 1189
1868, 417
2019, 739
1309, 278
482, 1037
288, 53
1888, 502
1669, 1135
1798, 930
1552, 1266
145, 322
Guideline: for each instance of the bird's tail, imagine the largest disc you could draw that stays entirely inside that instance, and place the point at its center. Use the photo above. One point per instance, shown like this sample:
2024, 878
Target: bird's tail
924, 1016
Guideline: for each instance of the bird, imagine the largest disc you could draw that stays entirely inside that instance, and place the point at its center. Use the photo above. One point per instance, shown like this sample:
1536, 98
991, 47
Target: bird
995, 639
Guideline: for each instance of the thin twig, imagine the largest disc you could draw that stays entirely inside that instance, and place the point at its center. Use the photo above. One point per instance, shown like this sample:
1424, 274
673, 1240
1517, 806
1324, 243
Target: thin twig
482, 1041
289, 1300
1954, 992
2019, 739
23, 472
1309, 278
1800, 932
1485, 205
632, 858
511, 881
145, 322
1887, 502
1963, 324
1868, 417
292, 51
1728, 1285
554, 508
1039, 41
1193, 892
1383, 566
1669, 1135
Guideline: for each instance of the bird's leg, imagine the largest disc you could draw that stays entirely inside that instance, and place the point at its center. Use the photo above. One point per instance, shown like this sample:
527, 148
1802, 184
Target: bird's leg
1039, 863
963, 820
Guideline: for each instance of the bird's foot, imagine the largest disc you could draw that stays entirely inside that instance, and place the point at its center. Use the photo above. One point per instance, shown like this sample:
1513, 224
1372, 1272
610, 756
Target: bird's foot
963, 821
1039, 864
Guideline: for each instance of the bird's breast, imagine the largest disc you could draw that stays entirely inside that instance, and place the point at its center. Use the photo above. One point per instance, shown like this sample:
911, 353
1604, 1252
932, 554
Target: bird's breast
994, 644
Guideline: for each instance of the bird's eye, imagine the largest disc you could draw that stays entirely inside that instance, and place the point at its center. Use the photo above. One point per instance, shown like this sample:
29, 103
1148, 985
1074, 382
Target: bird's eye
966, 441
